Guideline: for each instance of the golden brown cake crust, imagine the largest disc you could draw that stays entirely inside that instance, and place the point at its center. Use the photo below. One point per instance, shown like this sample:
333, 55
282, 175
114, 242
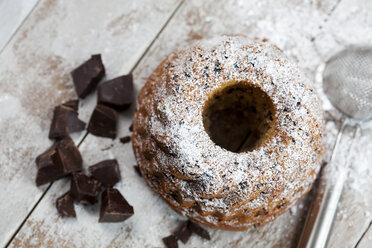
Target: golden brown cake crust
203, 181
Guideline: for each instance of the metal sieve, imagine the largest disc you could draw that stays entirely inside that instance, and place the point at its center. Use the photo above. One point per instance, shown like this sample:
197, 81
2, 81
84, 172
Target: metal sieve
347, 81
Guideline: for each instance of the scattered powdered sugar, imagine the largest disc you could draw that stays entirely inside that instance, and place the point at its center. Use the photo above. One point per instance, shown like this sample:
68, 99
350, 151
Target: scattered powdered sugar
361, 164
219, 182
9, 105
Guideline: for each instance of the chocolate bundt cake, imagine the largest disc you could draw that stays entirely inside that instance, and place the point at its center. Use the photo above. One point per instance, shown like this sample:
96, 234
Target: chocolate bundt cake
229, 132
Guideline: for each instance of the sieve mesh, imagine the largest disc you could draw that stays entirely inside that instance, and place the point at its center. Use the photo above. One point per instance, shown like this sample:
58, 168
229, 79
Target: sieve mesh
347, 81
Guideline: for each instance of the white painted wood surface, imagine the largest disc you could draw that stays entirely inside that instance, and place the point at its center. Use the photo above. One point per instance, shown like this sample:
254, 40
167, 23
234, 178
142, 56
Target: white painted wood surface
309, 32
366, 240
12, 14
34, 77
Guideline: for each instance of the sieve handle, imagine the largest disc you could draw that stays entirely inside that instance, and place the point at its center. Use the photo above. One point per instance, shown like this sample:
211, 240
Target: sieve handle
321, 215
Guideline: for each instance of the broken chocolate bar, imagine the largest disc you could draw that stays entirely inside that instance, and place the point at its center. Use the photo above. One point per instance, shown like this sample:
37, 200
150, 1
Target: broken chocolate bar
73, 104
69, 156
170, 241
125, 139
198, 230
103, 122
65, 205
48, 169
84, 189
114, 207
107, 172
117, 93
65, 120
183, 232
87, 76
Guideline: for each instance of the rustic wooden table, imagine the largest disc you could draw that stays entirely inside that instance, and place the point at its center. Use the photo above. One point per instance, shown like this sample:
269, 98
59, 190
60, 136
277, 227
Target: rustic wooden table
41, 41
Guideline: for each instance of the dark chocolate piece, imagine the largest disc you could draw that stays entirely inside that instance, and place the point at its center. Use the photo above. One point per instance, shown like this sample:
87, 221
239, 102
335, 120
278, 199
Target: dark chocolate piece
170, 241
125, 139
84, 189
137, 169
87, 76
103, 122
69, 156
114, 207
65, 120
131, 127
183, 232
107, 172
48, 169
73, 104
117, 93
198, 230
65, 205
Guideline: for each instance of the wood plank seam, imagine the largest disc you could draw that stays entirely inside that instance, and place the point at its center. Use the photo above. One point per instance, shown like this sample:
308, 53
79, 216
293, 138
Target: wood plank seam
329, 15
20, 25
85, 134
28, 215
364, 234
334, 8
157, 35
40, 199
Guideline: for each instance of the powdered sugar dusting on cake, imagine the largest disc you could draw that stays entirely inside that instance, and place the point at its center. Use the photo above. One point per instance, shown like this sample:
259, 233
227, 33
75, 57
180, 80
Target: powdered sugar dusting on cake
234, 190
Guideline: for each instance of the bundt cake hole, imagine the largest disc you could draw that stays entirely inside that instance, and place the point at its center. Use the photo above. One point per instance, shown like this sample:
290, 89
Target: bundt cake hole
239, 116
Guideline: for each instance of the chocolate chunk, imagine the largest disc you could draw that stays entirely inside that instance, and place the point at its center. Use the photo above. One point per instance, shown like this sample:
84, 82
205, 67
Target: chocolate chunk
107, 172
125, 139
137, 169
65, 205
84, 189
198, 230
131, 127
87, 76
117, 93
73, 104
69, 156
170, 241
48, 168
65, 120
59, 160
103, 122
114, 207
183, 232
